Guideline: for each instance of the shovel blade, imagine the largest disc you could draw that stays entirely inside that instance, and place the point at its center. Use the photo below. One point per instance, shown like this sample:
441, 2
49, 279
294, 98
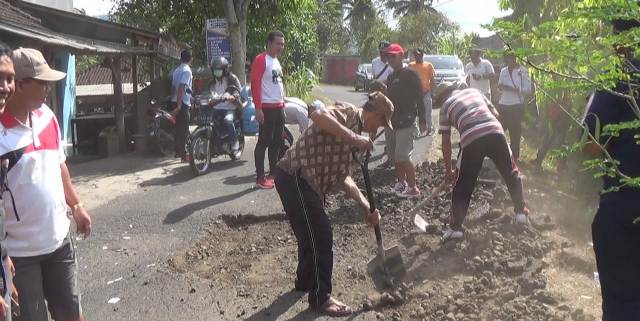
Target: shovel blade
420, 223
388, 272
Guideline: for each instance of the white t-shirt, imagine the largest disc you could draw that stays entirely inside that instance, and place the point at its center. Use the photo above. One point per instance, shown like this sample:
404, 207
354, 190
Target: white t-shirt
35, 179
377, 66
218, 90
484, 67
266, 81
182, 76
519, 79
296, 113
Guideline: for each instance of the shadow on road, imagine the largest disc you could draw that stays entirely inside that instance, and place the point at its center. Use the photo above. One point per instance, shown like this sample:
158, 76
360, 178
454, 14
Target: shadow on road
173, 177
278, 307
182, 174
239, 180
181, 213
87, 171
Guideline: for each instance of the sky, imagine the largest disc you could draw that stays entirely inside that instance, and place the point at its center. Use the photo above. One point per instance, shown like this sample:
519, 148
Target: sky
94, 7
470, 14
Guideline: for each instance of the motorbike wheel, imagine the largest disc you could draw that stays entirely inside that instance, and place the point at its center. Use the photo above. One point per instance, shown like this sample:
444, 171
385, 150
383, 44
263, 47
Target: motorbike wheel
241, 143
200, 152
165, 143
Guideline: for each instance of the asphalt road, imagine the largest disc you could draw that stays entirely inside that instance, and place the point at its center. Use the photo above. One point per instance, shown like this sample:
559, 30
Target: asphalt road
148, 210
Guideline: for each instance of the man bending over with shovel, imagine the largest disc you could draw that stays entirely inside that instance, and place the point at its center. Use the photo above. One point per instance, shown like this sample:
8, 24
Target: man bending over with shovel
319, 161
481, 135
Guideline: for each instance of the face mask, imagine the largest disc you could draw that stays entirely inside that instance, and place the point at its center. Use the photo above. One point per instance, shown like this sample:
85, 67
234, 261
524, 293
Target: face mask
217, 73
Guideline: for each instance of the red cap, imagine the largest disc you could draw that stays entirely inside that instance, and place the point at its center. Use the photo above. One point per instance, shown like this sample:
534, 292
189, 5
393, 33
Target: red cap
395, 49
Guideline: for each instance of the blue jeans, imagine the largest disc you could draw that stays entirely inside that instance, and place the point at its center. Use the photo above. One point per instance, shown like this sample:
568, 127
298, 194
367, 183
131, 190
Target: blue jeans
228, 118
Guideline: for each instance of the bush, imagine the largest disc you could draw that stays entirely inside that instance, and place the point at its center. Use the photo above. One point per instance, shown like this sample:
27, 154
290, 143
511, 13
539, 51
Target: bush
300, 83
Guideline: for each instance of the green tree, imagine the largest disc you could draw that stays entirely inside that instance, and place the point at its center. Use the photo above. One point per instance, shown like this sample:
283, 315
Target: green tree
366, 26
236, 14
423, 30
359, 10
563, 56
186, 22
453, 42
297, 20
403, 7
368, 41
333, 35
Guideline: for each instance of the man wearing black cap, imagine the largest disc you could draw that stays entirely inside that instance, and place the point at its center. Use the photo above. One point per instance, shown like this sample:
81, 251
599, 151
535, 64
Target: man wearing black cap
616, 238
380, 65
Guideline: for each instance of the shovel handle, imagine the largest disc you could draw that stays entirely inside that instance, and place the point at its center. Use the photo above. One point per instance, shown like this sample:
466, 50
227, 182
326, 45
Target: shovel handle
367, 182
372, 202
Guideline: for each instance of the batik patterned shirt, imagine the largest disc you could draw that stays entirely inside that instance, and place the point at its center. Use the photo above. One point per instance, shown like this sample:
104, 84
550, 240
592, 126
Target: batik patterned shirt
322, 159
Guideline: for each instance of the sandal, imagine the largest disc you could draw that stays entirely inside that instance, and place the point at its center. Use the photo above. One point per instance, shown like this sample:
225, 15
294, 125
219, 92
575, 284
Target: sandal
334, 308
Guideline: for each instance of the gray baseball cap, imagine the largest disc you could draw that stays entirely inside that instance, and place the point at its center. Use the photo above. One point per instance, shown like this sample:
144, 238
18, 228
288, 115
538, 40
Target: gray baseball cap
30, 63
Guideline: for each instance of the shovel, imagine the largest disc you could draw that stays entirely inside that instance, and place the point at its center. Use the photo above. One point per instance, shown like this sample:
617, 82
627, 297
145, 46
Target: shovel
418, 221
387, 267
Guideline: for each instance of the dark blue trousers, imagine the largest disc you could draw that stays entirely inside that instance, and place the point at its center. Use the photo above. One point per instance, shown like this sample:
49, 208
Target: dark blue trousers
617, 247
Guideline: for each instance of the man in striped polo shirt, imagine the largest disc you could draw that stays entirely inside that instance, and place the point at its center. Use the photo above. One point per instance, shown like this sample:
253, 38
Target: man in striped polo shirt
481, 135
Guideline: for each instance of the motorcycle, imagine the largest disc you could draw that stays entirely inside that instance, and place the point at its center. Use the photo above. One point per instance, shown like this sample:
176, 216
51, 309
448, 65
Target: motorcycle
162, 130
210, 138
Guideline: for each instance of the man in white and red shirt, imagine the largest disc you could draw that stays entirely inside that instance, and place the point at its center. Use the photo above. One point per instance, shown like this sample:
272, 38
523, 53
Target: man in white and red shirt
268, 96
40, 182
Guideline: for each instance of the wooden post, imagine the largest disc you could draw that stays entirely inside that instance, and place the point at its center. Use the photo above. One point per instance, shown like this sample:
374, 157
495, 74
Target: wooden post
153, 69
140, 140
118, 106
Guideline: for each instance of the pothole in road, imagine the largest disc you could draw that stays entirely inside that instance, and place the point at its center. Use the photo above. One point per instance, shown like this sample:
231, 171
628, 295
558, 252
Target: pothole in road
498, 272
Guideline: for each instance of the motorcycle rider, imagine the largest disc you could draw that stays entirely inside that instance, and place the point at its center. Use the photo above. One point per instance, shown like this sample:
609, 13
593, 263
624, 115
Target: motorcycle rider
225, 109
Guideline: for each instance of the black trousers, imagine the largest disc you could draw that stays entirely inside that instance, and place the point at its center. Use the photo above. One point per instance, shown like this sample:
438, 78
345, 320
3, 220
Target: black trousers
182, 131
511, 119
312, 228
616, 241
495, 147
270, 136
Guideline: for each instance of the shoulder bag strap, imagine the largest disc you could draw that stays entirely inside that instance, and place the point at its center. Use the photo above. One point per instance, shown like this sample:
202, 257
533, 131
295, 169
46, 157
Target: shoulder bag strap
383, 70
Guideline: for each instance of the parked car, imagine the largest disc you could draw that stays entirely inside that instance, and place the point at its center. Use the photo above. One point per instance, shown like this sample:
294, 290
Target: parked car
364, 77
447, 67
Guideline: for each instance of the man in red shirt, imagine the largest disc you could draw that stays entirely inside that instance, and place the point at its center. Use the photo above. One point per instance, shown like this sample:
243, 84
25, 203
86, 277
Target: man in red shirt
268, 96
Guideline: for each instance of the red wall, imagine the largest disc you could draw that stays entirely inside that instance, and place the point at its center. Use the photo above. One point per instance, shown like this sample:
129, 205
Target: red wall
340, 69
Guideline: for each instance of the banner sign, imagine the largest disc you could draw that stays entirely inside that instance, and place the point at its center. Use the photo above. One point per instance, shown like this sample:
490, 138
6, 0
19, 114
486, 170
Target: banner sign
218, 41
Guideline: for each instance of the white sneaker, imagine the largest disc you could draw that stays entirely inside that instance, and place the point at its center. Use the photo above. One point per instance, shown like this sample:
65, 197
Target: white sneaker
410, 192
450, 234
521, 218
399, 187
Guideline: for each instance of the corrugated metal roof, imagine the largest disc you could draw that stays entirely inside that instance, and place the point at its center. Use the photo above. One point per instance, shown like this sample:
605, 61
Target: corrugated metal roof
74, 43
15, 21
102, 75
10, 13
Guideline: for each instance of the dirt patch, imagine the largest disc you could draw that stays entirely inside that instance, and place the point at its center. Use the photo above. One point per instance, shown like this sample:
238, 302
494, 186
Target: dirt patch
500, 271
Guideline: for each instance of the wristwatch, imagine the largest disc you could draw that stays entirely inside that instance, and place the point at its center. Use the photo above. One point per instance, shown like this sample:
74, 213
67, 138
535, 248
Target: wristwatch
76, 207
